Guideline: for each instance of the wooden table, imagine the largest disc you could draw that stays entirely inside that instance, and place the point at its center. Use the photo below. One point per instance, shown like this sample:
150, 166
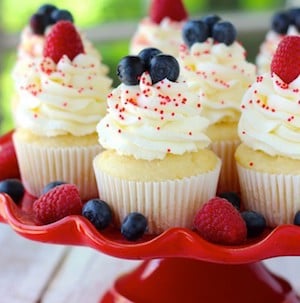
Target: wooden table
33, 272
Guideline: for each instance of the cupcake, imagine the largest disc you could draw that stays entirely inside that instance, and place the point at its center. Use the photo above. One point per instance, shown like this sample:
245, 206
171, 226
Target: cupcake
161, 29
62, 98
214, 65
268, 158
156, 160
283, 23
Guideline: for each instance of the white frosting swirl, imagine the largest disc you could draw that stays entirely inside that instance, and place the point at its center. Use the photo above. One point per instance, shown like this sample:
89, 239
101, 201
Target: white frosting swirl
64, 98
268, 48
220, 75
165, 36
270, 119
149, 121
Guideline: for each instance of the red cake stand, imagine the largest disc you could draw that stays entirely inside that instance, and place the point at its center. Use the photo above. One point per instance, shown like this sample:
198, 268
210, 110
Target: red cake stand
179, 265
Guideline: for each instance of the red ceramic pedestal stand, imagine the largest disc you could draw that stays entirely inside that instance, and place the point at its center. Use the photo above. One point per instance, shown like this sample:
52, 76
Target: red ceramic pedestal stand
179, 266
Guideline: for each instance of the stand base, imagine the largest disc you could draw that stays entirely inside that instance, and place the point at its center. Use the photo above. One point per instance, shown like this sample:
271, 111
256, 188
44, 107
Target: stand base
177, 280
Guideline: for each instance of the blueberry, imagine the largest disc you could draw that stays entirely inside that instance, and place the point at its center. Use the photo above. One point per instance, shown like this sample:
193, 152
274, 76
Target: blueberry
293, 13
147, 54
297, 22
255, 222
210, 21
280, 22
163, 66
98, 213
38, 23
232, 197
46, 11
130, 69
224, 32
14, 188
61, 14
297, 218
134, 226
194, 31
51, 185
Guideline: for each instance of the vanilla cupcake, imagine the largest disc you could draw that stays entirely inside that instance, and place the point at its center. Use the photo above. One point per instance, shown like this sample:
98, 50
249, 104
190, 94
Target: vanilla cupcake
283, 23
161, 29
157, 160
62, 98
269, 157
215, 67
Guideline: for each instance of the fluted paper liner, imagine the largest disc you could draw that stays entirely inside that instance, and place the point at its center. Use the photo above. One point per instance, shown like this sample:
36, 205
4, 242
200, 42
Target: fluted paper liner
275, 196
228, 180
40, 165
165, 204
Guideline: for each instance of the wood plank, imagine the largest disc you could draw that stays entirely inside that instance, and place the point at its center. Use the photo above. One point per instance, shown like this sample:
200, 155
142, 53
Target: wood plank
25, 266
85, 276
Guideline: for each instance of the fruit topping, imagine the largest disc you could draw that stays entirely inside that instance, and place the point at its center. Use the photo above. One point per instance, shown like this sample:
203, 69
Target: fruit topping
61, 201
255, 223
98, 213
38, 23
134, 226
283, 62
297, 218
220, 222
173, 9
210, 21
280, 22
51, 185
61, 14
14, 188
232, 197
46, 9
130, 69
163, 66
63, 39
294, 14
147, 54
224, 32
195, 31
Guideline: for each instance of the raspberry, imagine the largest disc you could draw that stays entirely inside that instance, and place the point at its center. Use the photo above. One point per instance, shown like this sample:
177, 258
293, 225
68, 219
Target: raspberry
63, 39
285, 62
61, 201
160, 9
220, 222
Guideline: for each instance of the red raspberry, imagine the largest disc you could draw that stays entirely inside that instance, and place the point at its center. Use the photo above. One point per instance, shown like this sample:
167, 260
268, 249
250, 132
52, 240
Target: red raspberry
160, 9
63, 39
285, 62
61, 201
220, 222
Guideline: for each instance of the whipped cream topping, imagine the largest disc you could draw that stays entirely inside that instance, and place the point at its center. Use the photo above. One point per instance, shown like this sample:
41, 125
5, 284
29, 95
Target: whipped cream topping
220, 75
165, 36
64, 98
268, 48
150, 121
270, 120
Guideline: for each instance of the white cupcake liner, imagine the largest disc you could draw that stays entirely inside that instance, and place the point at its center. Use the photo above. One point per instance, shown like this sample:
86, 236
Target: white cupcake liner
165, 204
228, 180
41, 165
275, 196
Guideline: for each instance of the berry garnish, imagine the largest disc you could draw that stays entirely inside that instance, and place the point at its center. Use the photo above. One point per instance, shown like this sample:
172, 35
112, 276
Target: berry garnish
283, 62
14, 188
63, 39
98, 213
147, 54
61, 14
220, 222
210, 21
224, 32
38, 23
280, 22
134, 226
163, 66
46, 11
130, 69
294, 15
297, 218
173, 9
61, 201
255, 223
232, 197
194, 31
51, 185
